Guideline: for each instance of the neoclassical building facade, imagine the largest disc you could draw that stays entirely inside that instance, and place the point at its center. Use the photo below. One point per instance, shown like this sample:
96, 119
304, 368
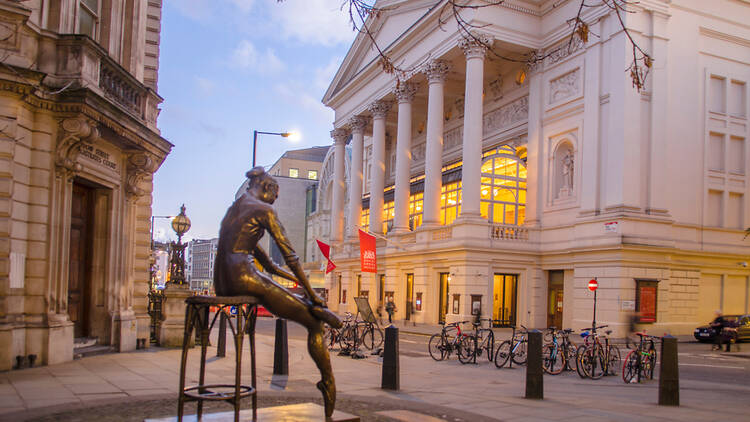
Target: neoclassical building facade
503, 187
79, 144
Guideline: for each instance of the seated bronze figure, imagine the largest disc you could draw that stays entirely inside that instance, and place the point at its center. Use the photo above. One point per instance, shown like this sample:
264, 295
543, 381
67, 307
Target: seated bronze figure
236, 274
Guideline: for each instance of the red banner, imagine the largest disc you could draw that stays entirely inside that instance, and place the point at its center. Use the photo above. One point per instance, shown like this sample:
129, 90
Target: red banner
367, 257
326, 250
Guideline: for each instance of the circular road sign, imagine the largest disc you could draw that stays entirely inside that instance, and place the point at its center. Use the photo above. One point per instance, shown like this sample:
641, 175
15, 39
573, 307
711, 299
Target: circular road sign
593, 285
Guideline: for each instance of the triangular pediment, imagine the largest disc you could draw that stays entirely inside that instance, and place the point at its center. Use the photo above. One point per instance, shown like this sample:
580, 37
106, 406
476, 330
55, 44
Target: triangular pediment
397, 17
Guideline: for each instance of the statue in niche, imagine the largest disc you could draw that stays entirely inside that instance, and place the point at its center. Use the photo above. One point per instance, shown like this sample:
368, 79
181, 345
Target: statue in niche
567, 164
245, 222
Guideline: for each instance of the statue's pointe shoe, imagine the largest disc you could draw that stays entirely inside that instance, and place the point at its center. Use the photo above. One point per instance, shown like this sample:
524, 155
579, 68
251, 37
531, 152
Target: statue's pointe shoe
325, 315
329, 398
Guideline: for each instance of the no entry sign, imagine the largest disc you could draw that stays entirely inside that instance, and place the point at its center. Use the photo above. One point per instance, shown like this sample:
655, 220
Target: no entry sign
593, 285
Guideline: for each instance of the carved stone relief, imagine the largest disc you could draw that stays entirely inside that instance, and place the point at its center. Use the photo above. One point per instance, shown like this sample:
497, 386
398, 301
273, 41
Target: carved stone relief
564, 162
140, 165
514, 112
565, 50
565, 86
73, 133
418, 153
453, 138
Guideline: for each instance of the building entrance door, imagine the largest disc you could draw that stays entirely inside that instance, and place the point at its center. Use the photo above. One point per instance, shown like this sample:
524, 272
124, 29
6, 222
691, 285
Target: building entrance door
504, 300
79, 268
443, 303
555, 299
409, 295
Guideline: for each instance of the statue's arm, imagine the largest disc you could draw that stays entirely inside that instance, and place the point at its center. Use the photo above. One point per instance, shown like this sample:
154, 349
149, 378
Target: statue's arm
276, 230
268, 264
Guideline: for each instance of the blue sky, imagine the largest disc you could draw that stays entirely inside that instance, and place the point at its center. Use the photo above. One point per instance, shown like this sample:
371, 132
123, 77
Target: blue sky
228, 67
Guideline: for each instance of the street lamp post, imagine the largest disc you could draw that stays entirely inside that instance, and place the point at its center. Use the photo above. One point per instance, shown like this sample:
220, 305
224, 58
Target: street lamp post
180, 224
255, 139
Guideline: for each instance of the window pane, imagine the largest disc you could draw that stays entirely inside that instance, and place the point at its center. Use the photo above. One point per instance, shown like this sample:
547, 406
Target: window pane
484, 192
497, 213
312, 174
521, 214
92, 4
510, 214
450, 215
487, 166
293, 172
86, 22
484, 209
521, 196
505, 195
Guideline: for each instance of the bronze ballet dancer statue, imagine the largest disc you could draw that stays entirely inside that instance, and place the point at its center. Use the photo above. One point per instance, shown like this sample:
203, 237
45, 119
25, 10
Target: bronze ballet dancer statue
236, 274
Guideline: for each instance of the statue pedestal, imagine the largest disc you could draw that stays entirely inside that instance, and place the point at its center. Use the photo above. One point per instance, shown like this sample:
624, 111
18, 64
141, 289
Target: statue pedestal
287, 413
173, 315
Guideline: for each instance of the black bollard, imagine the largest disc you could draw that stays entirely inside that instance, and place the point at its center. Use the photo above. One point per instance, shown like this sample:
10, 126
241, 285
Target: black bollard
669, 373
281, 349
221, 348
32, 360
534, 372
20, 361
390, 379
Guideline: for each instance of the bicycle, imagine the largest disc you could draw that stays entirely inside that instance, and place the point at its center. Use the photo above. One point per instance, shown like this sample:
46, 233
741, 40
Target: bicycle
372, 335
594, 359
448, 340
473, 345
333, 336
558, 355
514, 349
640, 362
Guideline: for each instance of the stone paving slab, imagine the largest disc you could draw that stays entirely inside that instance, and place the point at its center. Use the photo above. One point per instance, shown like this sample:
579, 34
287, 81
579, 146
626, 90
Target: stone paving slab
482, 391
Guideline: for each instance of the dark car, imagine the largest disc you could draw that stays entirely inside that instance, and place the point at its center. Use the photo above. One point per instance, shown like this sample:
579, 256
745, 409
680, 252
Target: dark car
707, 334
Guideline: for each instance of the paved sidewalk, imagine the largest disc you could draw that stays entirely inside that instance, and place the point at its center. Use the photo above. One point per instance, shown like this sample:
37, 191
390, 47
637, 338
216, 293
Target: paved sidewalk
443, 389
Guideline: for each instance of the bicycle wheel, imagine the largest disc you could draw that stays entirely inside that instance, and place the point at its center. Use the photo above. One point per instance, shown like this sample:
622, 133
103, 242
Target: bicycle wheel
570, 357
502, 354
652, 352
489, 344
649, 362
346, 337
630, 367
520, 352
466, 350
598, 365
372, 337
581, 361
613, 363
436, 347
553, 361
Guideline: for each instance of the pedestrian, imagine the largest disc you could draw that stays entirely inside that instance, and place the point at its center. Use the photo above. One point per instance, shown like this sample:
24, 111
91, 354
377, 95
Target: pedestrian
390, 308
718, 325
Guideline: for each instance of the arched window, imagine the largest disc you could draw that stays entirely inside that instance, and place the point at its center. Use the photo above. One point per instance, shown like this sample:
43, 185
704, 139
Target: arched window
503, 190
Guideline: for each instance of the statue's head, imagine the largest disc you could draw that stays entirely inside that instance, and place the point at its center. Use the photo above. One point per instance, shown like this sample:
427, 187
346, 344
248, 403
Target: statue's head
262, 184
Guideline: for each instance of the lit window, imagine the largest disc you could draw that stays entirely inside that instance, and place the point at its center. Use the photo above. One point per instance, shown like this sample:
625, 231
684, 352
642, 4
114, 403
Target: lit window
416, 205
388, 214
450, 202
312, 174
364, 219
88, 17
503, 187
293, 172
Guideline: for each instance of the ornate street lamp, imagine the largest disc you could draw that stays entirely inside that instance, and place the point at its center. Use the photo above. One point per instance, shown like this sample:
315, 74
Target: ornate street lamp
180, 224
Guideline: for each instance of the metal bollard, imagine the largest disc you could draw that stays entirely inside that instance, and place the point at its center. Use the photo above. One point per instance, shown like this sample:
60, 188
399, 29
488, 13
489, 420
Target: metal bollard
390, 378
281, 349
669, 373
534, 372
221, 347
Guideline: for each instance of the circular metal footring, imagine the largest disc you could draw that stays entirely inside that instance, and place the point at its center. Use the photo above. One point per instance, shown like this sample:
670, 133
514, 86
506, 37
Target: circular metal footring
209, 392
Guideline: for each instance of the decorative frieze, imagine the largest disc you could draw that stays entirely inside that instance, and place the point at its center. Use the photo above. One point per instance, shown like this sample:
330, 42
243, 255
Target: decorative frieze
454, 137
566, 49
418, 153
405, 91
565, 86
379, 109
514, 112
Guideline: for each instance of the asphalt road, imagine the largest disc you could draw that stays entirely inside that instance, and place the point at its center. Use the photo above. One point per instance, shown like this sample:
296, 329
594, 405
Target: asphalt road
696, 360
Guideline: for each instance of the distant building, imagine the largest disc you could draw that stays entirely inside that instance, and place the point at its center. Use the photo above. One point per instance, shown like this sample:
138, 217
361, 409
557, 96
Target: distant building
201, 254
303, 164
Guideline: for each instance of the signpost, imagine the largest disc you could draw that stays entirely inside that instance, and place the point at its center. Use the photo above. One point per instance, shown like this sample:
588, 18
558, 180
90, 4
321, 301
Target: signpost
593, 284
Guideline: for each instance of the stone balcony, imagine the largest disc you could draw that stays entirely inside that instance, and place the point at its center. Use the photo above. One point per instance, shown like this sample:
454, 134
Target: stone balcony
76, 61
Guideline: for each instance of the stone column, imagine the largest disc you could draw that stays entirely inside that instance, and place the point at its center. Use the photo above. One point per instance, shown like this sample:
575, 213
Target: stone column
475, 49
337, 207
657, 188
405, 94
590, 182
534, 162
433, 162
357, 125
379, 110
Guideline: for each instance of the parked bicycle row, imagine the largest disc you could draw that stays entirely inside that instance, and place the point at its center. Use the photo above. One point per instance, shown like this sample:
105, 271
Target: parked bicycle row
597, 356
353, 334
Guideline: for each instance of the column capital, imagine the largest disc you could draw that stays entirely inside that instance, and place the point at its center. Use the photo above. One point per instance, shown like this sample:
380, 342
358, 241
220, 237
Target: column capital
357, 124
405, 91
435, 70
339, 135
475, 44
379, 109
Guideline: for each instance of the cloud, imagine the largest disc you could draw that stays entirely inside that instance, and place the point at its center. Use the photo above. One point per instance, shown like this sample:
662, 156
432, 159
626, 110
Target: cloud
294, 93
324, 75
313, 21
198, 10
244, 5
205, 86
246, 56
